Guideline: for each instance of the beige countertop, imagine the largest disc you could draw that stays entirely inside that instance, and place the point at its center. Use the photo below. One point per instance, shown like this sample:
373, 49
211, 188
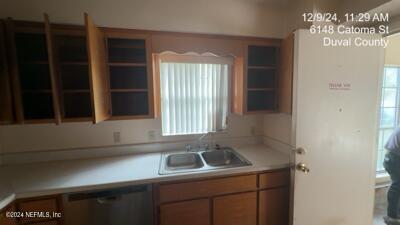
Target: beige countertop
38, 179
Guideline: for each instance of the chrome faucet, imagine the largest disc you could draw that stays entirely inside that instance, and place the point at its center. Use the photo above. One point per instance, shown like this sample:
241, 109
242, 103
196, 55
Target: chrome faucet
200, 144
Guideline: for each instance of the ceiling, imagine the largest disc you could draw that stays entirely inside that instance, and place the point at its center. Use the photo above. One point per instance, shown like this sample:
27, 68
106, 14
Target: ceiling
392, 7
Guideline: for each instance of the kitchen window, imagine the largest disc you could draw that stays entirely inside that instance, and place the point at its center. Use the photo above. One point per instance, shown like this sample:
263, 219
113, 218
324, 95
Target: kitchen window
194, 93
389, 110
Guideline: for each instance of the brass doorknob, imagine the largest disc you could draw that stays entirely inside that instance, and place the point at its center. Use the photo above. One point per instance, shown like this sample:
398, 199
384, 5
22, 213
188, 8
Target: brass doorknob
302, 167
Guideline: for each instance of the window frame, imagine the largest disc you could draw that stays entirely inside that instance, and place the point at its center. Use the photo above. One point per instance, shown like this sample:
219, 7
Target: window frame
191, 57
380, 143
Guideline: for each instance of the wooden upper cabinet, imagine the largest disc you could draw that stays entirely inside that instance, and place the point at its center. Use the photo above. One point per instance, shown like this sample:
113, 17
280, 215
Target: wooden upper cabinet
31, 75
52, 73
98, 73
261, 78
286, 75
131, 76
72, 68
256, 77
6, 105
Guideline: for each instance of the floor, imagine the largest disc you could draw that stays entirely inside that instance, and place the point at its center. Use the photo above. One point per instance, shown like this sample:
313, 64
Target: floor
380, 205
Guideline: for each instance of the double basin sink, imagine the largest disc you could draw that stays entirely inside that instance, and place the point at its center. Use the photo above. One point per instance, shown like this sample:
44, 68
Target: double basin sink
181, 162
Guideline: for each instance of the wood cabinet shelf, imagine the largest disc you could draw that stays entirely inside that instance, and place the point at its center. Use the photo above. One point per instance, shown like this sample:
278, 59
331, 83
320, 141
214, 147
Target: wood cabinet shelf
118, 43
129, 90
132, 64
34, 62
261, 89
262, 67
76, 91
36, 91
77, 63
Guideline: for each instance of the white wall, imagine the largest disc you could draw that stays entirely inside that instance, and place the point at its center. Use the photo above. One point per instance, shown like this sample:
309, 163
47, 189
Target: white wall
238, 17
278, 127
392, 56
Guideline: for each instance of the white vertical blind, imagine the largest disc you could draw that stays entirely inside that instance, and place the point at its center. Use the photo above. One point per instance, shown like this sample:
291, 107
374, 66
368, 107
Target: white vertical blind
194, 97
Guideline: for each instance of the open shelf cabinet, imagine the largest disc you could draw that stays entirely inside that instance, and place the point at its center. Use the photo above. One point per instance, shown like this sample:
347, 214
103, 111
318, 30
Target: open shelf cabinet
130, 78
33, 78
57, 72
262, 78
73, 72
257, 78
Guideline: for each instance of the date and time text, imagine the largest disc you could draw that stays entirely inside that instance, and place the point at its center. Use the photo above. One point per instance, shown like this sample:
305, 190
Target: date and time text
350, 28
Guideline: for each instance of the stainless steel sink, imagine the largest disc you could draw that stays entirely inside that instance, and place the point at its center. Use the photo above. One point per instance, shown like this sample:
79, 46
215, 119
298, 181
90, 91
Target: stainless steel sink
183, 162
225, 157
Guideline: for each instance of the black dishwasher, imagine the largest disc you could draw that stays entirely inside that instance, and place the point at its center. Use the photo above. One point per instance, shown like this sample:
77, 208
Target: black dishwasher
130, 205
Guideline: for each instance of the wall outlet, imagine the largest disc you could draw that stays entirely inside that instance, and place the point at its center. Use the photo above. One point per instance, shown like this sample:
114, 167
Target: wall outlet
151, 135
117, 137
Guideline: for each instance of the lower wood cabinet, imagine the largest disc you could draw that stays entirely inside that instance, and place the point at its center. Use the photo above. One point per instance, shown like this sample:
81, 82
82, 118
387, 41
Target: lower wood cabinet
249, 199
26, 207
194, 212
4, 219
235, 209
52, 222
245, 199
273, 207
41, 205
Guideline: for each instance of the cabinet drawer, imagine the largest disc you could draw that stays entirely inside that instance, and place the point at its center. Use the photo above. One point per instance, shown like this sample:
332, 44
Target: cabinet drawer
40, 205
206, 188
274, 179
194, 212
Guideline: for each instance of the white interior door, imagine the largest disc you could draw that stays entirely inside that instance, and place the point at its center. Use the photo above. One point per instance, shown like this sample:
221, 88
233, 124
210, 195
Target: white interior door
335, 117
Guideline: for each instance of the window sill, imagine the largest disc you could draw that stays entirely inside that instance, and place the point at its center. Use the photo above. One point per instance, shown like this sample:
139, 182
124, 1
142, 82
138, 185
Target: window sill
382, 179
